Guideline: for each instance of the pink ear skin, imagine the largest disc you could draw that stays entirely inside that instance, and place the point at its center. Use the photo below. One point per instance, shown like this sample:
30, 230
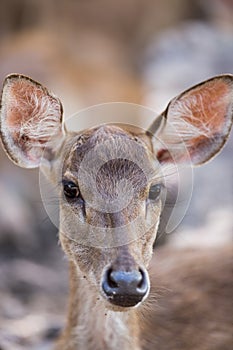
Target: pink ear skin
30, 116
200, 119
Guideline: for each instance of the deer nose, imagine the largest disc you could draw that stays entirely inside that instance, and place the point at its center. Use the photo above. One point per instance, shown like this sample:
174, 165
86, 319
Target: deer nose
125, 288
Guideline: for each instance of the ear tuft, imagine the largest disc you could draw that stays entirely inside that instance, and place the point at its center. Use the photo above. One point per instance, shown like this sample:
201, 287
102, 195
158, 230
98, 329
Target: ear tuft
30, 118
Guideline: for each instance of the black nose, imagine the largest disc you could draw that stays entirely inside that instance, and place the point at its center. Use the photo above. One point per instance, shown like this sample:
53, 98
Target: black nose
125, 288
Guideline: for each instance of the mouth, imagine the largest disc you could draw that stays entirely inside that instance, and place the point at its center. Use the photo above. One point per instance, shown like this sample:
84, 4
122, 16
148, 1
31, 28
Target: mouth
123, 301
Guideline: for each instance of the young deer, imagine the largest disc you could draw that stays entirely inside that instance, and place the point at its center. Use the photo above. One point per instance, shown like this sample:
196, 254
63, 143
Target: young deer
108, 237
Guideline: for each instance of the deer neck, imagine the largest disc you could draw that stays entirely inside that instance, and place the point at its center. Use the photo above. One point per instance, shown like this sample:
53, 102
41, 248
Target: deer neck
93, 326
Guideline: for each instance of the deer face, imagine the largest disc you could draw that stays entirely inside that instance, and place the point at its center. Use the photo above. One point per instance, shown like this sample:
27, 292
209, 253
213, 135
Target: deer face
109, 178
111, 199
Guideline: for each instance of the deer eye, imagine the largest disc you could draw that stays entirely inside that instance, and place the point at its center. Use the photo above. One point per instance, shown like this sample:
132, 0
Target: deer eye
70, 189
155, 191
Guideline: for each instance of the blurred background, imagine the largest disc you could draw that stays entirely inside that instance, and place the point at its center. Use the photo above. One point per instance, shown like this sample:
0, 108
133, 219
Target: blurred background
90, 52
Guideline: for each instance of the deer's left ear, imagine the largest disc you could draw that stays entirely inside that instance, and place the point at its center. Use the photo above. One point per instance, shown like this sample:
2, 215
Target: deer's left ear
199, 119
30, 118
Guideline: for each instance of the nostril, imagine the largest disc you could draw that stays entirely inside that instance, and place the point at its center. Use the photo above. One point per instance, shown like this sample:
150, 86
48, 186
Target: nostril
111, 279
144, 284
141, 279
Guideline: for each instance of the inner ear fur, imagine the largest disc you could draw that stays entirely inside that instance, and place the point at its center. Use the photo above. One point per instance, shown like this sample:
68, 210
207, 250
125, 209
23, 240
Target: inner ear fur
31, 117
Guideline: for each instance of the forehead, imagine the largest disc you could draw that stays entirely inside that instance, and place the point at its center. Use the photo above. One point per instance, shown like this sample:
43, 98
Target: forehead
112, 147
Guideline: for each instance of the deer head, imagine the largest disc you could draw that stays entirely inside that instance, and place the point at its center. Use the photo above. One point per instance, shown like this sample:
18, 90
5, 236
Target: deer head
109, 177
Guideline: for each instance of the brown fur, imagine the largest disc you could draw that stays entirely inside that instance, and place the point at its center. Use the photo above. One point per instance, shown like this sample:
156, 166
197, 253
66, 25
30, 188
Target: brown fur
193, 289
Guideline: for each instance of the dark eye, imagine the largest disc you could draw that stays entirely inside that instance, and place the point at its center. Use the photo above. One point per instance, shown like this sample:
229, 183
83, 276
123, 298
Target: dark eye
70, 189
155, 191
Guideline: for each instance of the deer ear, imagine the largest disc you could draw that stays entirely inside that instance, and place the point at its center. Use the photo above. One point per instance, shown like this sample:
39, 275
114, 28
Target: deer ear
198, 121
30, 118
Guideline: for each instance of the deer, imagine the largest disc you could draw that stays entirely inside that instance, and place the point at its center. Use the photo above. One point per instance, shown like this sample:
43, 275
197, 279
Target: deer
111, 190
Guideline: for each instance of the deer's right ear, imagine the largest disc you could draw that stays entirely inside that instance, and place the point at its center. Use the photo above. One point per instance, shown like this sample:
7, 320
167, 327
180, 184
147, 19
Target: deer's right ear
30, 118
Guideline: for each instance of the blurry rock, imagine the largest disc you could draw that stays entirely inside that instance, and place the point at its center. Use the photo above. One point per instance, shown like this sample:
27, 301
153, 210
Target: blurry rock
183, 56
16, 216
30, 333
216, 231
26, 279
